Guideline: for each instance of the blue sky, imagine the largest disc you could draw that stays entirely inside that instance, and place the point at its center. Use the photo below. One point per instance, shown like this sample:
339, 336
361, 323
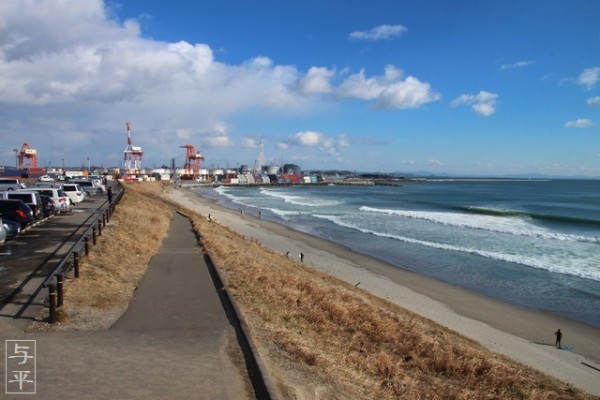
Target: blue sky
462, 87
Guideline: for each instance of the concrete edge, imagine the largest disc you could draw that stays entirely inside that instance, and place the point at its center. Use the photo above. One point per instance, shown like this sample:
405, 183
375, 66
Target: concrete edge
260, 378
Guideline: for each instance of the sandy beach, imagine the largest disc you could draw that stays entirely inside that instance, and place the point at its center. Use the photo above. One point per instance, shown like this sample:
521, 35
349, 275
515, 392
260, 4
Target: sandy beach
522, 334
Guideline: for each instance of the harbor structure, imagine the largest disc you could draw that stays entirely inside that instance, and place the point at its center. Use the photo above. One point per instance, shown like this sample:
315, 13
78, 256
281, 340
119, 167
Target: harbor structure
132, 160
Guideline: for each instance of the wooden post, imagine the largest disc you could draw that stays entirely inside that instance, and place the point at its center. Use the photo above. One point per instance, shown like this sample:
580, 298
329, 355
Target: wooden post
52, 303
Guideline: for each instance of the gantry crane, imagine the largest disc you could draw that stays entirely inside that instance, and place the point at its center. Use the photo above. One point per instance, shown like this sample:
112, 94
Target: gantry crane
132, 160
193, 158
29, 154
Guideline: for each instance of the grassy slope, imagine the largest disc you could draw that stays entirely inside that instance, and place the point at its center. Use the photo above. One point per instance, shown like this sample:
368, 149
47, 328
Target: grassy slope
321, 337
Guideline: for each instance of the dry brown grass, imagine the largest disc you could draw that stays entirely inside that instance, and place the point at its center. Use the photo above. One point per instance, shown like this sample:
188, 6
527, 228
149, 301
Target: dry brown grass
341, 342
112, 271
321, 337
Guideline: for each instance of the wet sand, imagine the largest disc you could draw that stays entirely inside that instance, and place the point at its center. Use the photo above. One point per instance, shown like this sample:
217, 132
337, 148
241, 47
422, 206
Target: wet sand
522, 334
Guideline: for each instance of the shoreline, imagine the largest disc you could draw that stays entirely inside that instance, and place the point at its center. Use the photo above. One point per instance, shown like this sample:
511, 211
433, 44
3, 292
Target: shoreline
522, 334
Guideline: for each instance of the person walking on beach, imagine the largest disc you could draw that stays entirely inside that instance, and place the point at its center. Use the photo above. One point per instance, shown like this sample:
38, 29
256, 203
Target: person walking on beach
558, 335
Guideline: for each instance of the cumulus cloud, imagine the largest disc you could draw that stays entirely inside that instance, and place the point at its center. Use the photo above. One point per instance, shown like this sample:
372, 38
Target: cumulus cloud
589, 77
594, 101
249, 143
381, 32
316, 140
389, 90
483, 103
78, 63
316, 80
579, 123
518, 64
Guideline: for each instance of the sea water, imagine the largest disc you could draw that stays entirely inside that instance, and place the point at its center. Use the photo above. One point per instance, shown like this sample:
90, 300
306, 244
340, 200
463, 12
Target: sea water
531, 243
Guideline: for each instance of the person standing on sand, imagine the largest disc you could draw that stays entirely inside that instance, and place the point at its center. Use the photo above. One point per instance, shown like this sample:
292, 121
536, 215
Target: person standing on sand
558, 335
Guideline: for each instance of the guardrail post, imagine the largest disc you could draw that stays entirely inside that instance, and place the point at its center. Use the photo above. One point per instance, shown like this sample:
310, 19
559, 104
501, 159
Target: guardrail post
52, 303
94, 236
59, 290
99, 227
87, 245
76, 263
103, 219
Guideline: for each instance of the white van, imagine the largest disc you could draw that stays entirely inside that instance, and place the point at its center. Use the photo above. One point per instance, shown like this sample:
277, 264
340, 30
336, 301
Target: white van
57, 194
88, 186
11, 184
76, 195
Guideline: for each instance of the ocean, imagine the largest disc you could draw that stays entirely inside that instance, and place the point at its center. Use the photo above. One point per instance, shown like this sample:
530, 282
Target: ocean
531, 243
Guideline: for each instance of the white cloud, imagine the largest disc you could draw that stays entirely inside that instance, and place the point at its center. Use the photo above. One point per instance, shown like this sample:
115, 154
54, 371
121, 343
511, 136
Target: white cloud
518, 64
249, 143
483, 103
434, 161
410, 93
316, 80
390, 90
315, 140
380, 32
579, 123
593, 101
589, 77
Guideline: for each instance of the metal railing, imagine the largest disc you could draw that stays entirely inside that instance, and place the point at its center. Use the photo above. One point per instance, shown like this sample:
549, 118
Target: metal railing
71, 259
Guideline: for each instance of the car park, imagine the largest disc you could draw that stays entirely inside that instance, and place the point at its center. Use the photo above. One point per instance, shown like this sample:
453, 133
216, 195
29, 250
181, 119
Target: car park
76, 195
88, 186
32, 198
11, 184
18, 211
57, 194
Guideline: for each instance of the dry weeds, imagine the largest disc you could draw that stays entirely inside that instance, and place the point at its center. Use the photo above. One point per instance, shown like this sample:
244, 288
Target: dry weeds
112, 271
321, 337
349, 344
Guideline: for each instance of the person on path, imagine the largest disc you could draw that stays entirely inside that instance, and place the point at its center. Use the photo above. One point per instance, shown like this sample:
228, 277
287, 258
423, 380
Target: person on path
558, 335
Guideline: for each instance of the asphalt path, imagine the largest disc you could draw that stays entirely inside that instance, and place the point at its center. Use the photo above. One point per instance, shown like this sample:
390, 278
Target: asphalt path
174, 342
26, 261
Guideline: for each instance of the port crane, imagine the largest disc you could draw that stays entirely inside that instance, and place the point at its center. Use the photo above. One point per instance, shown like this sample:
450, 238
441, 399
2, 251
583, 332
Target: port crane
193, 159
132, 160
29, 154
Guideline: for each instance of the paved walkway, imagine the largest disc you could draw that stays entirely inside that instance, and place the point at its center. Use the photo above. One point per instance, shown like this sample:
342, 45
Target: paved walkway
174, 341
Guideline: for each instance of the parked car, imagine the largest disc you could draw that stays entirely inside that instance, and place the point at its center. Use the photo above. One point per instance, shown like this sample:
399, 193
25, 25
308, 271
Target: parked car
50, 207
12, 228
90, 187
76, 195
100, 187
3, 234
18, 211
46, 178
29, 197
11, 184
57, 194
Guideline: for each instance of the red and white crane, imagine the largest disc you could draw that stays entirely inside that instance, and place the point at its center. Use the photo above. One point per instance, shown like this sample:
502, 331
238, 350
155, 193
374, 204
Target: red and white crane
132, 160
193, 159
